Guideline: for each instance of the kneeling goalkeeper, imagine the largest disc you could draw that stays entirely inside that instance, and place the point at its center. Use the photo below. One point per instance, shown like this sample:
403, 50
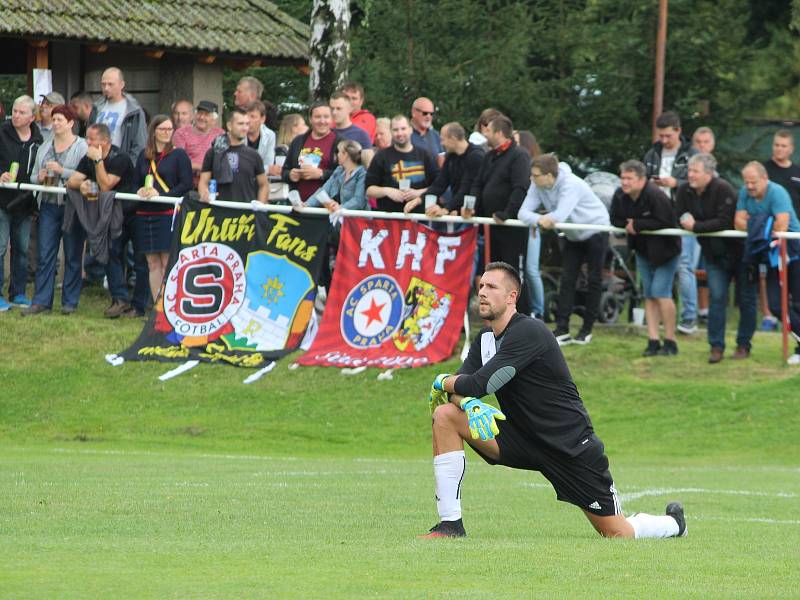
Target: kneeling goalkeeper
543, 425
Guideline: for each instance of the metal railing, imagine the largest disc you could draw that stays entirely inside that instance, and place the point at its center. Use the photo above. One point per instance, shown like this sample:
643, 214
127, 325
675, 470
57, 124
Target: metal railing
485, 221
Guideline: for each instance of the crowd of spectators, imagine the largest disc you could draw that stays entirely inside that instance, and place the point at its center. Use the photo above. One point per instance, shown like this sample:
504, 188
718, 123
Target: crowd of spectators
345, 157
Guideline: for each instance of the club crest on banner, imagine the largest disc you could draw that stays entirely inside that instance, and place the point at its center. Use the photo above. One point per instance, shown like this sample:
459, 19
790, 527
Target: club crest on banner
372, 311
204, 289
279, 292
425, 311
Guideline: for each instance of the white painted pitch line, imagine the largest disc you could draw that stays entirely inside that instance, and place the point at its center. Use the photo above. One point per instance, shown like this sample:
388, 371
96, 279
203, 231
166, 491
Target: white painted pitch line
366, 459
718, 469
245, 457
745, 520
688, 490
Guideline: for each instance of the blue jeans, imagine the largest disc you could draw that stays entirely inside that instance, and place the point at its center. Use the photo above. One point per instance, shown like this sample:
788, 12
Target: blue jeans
16, 229
719, 273
656, 281
51, 218
533, 277
115, 269
687, 279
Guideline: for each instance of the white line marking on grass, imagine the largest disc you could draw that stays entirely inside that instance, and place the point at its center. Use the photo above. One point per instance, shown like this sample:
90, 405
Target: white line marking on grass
625, 496
358, 459
720, 468
171, 454
746, 520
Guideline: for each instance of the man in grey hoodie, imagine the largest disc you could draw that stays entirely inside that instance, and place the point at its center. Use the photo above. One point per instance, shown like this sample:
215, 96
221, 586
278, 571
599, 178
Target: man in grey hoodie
122, 114
568, 199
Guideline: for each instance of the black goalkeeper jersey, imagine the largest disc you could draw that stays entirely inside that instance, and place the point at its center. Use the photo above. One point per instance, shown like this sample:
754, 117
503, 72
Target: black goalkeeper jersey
526, 371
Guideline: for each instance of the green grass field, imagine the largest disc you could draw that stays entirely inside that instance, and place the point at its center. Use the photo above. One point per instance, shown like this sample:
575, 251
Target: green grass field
309, 484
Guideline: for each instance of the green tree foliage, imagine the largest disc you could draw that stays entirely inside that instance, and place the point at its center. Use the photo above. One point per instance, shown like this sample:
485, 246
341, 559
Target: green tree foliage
578, 73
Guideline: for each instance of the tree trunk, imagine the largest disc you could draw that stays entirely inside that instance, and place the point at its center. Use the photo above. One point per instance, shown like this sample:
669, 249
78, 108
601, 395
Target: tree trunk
329, 47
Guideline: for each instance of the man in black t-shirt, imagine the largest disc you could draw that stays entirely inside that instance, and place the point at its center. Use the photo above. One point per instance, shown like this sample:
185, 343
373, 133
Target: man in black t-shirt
237, 169
461, 165
543, 425
112, 170
781, 169
399, 175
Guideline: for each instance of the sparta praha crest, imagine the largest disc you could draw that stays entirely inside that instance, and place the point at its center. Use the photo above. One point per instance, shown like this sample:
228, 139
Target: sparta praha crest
204, 289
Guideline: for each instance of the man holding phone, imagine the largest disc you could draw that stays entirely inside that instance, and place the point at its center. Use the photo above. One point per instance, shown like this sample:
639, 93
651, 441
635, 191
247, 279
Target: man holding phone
667, 164
668, 160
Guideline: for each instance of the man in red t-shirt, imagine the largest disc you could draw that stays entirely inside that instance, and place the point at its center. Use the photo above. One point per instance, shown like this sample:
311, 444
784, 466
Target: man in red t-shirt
197, 138
360, 117
312, 156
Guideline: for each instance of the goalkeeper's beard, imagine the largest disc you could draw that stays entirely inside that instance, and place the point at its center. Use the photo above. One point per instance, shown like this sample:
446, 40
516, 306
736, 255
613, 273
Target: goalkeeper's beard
487, 313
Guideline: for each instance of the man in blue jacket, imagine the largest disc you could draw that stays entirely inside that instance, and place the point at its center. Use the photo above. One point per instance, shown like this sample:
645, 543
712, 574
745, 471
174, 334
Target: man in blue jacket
759, 196
569, 199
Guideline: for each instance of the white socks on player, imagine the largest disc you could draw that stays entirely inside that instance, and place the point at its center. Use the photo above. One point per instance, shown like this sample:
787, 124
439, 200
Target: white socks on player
448, 470
653, 526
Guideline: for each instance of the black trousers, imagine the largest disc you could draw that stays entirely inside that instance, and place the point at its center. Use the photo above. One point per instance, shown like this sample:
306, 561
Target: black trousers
591, 251
774, 294
510, 245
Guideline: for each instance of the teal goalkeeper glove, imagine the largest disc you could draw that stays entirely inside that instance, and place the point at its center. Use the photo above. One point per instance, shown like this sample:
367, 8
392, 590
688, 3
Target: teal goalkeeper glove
438, 396
481, 418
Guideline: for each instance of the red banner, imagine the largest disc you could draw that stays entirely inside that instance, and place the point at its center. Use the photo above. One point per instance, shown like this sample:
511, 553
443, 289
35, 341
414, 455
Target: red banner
398, 296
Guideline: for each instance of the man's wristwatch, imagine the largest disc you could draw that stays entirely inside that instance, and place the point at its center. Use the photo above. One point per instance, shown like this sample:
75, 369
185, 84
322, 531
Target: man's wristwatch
97, 160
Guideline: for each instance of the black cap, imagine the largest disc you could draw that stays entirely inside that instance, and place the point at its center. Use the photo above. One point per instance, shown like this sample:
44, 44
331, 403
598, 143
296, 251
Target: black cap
207, 106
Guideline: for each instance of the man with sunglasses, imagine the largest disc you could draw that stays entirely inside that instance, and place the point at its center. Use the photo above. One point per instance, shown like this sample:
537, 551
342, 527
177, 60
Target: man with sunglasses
424, 135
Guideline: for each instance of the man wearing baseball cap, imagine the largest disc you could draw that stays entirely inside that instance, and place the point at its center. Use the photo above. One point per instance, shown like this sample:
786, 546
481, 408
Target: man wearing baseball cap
197, 138
47, 103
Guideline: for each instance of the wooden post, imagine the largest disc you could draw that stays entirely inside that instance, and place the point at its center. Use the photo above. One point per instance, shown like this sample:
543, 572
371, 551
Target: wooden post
661, 51
38, 58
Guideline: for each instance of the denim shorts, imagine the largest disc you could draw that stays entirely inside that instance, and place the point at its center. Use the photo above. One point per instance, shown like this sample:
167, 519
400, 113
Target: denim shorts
657, 282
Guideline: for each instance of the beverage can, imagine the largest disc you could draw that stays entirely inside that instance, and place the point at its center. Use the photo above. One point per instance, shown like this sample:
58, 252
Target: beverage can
13, 169
212, 189
148, 181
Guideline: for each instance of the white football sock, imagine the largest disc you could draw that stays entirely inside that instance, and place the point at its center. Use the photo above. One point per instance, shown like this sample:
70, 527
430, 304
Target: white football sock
448, 470
653, 526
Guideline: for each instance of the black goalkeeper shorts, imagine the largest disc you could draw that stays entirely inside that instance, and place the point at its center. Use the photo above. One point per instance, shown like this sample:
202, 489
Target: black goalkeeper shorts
582, 480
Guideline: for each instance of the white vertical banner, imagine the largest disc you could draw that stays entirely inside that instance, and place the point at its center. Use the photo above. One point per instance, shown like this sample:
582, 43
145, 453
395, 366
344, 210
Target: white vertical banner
42, 83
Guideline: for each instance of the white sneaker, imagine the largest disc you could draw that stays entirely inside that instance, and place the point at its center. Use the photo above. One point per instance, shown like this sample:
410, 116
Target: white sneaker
794, 359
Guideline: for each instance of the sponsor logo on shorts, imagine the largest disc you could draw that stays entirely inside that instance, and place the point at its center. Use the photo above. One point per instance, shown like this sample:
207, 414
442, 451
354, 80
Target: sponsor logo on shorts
595, 505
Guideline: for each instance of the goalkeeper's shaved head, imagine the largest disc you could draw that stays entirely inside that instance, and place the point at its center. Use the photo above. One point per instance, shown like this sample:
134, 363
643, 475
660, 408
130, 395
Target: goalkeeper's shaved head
511, 274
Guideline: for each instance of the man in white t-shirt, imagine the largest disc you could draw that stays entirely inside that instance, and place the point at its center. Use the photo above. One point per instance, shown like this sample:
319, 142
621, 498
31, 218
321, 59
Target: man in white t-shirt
667, 164
668, 160
121, 113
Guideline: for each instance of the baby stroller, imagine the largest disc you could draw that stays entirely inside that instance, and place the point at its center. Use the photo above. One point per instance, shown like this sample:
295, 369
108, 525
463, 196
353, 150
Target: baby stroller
619, 290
